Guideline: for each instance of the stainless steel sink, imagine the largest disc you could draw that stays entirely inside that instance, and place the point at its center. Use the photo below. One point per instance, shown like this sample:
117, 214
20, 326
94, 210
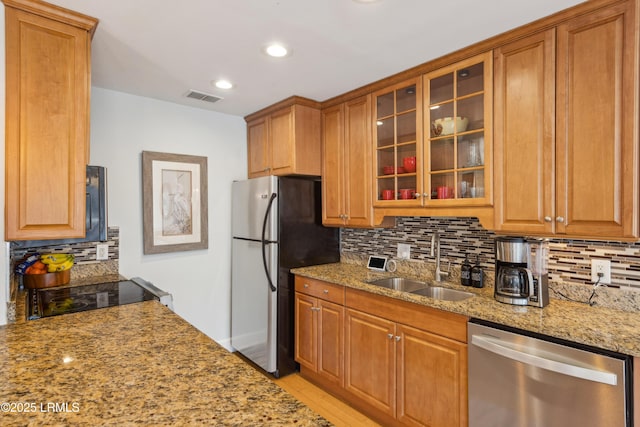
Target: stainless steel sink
399, 284
445, 294
421, 288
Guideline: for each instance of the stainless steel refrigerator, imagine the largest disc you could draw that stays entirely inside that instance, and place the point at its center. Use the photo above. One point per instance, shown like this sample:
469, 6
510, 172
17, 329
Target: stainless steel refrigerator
276, 226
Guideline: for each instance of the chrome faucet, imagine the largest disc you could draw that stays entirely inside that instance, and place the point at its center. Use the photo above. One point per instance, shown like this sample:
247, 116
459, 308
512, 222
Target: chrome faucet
435, 242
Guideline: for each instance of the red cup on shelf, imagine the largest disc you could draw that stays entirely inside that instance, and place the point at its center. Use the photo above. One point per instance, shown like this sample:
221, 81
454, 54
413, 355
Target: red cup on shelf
407, 193
444, 192
409, 164
387, 195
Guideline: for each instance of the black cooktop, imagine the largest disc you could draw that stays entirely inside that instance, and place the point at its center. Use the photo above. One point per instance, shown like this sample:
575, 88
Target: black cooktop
63, 300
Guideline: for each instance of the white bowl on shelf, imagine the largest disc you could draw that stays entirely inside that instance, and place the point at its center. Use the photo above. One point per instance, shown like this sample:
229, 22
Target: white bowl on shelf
451, 124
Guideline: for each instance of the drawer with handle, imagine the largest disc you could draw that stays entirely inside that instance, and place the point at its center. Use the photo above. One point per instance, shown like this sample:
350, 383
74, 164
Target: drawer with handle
320, 289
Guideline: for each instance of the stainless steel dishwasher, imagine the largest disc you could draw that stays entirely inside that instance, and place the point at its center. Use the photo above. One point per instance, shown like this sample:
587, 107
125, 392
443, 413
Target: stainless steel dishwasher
517, 379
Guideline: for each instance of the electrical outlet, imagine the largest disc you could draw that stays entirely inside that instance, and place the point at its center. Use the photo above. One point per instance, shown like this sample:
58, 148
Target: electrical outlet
404, 251
102, 251
601, 266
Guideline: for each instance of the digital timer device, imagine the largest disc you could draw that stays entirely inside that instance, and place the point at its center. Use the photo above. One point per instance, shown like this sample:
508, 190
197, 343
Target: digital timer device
378, 263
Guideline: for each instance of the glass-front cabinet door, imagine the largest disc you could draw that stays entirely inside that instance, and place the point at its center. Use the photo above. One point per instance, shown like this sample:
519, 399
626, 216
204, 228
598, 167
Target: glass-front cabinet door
397, 139
457, 150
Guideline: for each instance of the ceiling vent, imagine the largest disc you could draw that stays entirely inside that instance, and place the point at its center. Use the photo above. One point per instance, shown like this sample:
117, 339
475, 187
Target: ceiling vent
201, 96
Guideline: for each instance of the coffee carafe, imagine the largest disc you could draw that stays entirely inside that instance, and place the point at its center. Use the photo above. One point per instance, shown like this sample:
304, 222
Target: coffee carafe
521, 271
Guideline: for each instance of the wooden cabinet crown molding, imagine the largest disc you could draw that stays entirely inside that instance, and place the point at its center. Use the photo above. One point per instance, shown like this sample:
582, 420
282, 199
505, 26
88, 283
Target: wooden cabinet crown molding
288, 102
56, 13
475, 49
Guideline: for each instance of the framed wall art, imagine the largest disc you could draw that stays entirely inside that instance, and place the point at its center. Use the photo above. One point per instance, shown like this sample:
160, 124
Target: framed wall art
174, 200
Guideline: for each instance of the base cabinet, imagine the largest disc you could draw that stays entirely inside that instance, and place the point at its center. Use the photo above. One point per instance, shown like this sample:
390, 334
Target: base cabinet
431, 379
412, 375
319, 329
370, 360
399, 363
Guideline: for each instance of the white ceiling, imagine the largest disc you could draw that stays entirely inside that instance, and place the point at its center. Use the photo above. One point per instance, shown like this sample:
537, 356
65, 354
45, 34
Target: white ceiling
163, 48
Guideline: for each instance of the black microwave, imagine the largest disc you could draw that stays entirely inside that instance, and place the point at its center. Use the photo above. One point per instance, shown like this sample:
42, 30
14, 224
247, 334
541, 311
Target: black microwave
96, 211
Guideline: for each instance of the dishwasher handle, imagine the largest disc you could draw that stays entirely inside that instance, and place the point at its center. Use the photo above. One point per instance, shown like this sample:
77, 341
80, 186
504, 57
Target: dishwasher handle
502, 348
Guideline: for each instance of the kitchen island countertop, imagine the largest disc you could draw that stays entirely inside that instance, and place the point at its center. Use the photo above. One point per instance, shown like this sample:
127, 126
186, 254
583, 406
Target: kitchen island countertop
132, 364
609, 329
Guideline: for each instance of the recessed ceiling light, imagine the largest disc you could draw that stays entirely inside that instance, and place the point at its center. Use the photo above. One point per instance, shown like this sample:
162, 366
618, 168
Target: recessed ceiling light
223, 84
276, 50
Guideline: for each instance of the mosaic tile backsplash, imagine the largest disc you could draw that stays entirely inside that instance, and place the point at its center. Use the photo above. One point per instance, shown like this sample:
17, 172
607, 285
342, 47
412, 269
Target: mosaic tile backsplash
85, 253
569, 262
85, 264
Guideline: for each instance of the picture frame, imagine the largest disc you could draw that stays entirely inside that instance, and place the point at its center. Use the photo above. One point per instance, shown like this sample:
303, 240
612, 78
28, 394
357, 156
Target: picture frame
174, 202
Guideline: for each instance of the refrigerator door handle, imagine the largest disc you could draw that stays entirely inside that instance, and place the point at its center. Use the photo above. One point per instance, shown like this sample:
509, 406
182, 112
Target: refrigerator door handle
265, 242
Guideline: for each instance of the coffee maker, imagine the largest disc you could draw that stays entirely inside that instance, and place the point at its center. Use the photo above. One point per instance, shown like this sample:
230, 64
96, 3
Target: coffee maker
521, 271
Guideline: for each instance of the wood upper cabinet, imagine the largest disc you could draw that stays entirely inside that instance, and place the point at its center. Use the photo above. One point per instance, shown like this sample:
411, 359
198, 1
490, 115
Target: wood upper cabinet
284, 139
258, 146
596, 124
397, 133
423, 165
333, 167
458, 109
524, 135
319, 328
570, 170
48, 60
346, 173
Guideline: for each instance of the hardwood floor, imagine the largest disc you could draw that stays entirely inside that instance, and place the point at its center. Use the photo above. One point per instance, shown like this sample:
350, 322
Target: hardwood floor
337, 412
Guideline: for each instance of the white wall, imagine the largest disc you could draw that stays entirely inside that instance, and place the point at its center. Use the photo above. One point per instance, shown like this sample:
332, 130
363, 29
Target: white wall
122, 126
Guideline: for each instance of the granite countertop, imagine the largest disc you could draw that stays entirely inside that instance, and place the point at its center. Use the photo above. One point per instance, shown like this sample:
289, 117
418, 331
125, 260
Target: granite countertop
132, 364
599, 327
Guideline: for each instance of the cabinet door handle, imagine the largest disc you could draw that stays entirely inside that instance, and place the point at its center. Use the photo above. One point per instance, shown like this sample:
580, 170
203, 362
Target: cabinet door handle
397, 337
390, 336
326, 291
306, 285
560, 219
547, 219
425, 195
315, 308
